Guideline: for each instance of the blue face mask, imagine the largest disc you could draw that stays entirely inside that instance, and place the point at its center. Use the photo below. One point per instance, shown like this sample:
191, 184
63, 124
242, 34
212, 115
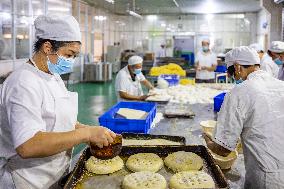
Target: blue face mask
205, 48
137, 71
239, 81
63, 65
278, 61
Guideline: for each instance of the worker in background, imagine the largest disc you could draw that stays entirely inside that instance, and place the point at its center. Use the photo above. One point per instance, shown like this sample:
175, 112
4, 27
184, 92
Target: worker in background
253, 111
129, 79
160, 54
266, 62
162, 51
39, 127
276, 52
206, 62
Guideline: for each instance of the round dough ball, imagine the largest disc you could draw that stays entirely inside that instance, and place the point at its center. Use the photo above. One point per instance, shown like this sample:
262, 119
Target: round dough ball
102, 167
191, 179
144, 180
183, 161
144, 162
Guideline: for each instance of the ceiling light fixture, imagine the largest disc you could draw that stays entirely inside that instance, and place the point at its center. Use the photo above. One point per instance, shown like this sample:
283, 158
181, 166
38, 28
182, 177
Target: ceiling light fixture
132, 13
176, 3
110, 1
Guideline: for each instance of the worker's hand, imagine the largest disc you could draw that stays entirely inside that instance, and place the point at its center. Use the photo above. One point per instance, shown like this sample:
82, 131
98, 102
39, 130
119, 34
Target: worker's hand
198, 68
100, 136
144, 97
203, 68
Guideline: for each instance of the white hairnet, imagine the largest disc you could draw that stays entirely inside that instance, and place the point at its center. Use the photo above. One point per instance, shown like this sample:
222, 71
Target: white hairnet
229, 59
57, 27
245, 56
277, 46
206, 40
135, 60
257, 47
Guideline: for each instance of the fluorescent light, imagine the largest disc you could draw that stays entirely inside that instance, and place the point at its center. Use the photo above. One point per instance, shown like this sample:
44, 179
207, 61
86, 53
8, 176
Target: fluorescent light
100, 18
110, 1
176, 3
132, 13
163, 25
152, 17
209, 17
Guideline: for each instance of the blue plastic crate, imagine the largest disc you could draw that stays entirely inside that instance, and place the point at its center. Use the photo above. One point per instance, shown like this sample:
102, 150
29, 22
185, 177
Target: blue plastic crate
218, 101
171, 79
221, 69
119, 125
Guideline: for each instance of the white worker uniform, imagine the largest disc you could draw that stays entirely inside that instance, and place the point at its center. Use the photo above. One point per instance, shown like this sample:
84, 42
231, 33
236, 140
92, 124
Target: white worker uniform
33, 101
253, 110
205, 59
268, 65
161, 53
124, 83
281, 73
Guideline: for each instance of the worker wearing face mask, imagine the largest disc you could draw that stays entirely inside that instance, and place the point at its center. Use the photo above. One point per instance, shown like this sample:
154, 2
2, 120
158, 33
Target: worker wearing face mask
254, 112
276, 52
129, 79
206, 62
38, 121
266, 62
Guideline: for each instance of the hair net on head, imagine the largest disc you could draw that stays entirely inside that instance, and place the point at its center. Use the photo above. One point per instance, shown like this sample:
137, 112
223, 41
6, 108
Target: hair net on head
257, 47
229, 59
245, 56
57, 27
277, 46
206, 40
133, 60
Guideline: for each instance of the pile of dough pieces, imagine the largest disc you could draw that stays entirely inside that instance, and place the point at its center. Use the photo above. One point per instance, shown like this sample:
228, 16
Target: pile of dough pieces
187, 94
185, 165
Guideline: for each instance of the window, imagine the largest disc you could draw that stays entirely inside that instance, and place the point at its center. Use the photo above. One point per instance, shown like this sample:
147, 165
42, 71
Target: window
5, 30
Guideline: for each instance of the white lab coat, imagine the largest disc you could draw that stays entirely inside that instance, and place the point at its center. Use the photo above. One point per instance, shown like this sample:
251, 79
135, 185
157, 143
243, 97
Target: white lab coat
124, 83
208, 60
33, 101
281, 73
254, 110
268, 65
161, 53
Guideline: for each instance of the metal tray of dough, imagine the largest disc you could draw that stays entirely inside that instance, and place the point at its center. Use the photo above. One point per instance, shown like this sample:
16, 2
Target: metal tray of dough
80, 178
138, 136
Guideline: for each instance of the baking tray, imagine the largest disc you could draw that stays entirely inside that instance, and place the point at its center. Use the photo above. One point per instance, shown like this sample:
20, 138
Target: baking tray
139, 136
113, 181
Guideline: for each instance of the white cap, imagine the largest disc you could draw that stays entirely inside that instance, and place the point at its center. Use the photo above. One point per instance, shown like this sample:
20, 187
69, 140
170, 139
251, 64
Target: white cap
206, 40
245, 56
277, 46
257, 47
133, 60
229, 59
57, 27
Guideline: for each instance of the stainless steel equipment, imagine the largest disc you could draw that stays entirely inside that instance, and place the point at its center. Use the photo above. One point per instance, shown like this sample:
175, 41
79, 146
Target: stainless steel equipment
98, 72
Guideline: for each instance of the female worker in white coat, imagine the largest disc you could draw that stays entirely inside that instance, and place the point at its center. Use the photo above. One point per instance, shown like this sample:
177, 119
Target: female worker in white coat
38, 115
129, 79
253, 110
